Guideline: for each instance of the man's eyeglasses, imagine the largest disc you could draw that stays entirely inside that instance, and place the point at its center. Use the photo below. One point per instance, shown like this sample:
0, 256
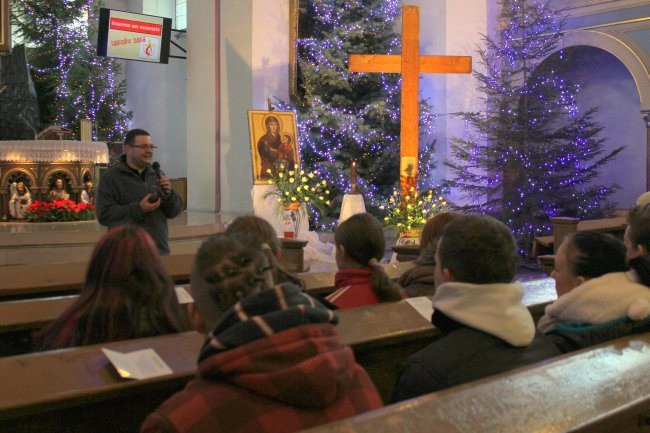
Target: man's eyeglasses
144, 146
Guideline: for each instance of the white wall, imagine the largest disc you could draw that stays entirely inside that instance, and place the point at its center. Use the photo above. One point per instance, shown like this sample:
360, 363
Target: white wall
612, 89
270, 52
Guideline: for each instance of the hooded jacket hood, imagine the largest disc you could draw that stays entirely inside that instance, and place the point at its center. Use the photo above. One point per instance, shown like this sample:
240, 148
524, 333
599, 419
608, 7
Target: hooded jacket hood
495, 309
280, 344
599, 300
283, 366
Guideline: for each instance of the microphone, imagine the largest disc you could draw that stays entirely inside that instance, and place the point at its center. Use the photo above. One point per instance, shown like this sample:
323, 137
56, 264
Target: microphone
156, 193
156, 168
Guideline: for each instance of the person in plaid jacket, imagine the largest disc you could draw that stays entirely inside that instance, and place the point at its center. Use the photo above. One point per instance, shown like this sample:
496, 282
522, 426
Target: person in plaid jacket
273, 361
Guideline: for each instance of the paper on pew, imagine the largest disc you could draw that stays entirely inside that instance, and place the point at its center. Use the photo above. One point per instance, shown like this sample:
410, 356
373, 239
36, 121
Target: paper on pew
141, 364
183, 296
422, 304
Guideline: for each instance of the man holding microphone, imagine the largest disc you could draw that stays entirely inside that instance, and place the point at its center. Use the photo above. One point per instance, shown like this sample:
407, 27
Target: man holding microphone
135, 190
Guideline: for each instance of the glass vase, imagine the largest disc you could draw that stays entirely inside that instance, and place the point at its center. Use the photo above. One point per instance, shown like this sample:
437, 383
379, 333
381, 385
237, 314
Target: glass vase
290, 220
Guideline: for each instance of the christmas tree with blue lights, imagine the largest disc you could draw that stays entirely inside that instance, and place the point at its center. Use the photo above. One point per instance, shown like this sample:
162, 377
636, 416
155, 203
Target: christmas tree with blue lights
345, 116
533, 153
71, 82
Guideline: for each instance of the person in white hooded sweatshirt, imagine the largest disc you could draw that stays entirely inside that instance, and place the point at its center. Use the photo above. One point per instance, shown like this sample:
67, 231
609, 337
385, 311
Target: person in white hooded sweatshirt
485, 327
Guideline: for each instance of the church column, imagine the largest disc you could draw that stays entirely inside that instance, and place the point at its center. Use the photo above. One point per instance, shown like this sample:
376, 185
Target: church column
203, 106
646, 119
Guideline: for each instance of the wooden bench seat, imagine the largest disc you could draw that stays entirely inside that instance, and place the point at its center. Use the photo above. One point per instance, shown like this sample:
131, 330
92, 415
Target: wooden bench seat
76, 390
601, 389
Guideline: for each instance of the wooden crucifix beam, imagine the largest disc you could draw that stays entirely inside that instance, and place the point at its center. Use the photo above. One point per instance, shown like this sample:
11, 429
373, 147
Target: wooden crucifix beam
410, 64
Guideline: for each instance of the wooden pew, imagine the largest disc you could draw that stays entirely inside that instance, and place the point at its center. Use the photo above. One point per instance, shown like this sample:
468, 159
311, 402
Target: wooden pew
601, 389
29, 281
19, 319
23, 314
51, 279
563, 226
77, 390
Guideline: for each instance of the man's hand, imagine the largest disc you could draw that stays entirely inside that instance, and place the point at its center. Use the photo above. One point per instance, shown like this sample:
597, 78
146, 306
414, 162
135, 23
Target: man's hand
165, 184
146, 206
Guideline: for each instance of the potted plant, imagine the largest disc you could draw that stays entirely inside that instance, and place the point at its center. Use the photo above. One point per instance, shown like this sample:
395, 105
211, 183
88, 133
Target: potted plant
407, 215
59, 210
297, 192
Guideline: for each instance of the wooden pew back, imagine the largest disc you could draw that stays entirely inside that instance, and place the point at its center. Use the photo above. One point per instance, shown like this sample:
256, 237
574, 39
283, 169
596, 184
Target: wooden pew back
77, 390
602, 389
55, 279
563, 226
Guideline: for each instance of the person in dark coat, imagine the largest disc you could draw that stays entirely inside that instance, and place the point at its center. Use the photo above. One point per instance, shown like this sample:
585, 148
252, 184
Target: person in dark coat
485, 327
419, 280
132, 191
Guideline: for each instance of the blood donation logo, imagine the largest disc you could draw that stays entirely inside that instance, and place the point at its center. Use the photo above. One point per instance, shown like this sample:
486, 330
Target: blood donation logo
149, 48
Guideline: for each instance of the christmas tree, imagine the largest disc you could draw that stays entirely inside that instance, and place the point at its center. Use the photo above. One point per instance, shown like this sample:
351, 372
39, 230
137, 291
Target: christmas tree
344, 116
533, 153
72, 83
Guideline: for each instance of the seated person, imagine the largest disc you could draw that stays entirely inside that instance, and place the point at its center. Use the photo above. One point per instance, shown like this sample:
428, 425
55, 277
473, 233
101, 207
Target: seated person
265, 233
637, 242
419, 280
272, 361
58, 192
598, 299
20, 200
360, 280
485, 327
127, 294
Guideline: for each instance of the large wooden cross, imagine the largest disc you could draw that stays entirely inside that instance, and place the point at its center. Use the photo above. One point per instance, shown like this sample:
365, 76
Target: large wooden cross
410, 63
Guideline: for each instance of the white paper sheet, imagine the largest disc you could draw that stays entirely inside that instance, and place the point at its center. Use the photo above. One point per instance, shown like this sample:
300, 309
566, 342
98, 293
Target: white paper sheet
183, 295
422, 304
141, 364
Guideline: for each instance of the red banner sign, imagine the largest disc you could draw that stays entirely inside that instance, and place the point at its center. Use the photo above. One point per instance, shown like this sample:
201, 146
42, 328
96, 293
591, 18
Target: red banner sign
136, 26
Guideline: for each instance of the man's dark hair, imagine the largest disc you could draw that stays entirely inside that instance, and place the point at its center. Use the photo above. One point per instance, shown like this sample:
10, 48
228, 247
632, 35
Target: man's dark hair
592, 254
478, 249
129, 140
639, 221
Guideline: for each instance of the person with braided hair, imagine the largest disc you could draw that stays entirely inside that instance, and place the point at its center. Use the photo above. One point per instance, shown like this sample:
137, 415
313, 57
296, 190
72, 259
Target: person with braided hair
272, 361
264, 231
361, 280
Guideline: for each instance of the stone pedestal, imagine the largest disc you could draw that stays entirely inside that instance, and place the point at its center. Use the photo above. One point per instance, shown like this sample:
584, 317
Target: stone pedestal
406, 253
293, 255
